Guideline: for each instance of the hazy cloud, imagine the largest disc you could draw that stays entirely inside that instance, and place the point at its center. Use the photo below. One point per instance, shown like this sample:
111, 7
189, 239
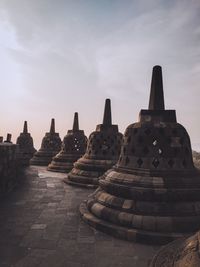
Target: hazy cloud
64, 56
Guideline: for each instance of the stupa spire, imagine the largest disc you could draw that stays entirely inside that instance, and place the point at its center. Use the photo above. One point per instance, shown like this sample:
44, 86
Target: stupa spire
25, 130
156, 101
107, 118
52, 128
75, 124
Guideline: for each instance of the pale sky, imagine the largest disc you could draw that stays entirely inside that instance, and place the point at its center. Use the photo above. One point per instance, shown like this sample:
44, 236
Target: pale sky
58, 57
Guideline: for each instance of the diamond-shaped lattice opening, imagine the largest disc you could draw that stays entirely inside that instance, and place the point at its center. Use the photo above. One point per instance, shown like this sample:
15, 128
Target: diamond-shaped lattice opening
129, 139
140, 140
168, 140
176, 150
174, 131
155, 163
160, 151
147, 131
127, 161
133, 150
184, 163
161, 131
146, 150
187, 151
181, 141
139, 162
155, 142
171, 163
135, 131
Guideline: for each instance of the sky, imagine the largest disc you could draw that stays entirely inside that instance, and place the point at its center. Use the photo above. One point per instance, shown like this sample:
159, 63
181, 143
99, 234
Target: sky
59, 57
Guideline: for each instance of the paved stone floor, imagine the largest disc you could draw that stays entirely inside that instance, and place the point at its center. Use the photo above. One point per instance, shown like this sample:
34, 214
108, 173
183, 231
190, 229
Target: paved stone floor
40, 227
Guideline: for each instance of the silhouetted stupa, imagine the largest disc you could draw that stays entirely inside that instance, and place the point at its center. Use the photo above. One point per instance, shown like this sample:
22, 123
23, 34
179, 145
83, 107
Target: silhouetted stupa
101, 154
152, 194
8, 138
51, 145
26, 148
73, 147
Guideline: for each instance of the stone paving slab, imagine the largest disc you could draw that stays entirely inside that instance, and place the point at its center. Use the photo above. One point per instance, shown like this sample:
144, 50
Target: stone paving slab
40, 227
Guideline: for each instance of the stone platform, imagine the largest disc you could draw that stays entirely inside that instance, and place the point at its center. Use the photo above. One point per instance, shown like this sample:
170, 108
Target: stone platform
40, 226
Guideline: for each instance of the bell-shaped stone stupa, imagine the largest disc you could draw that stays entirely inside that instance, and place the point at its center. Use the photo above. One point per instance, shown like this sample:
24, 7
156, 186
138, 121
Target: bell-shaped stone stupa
73, 147
101, 154
26, 148
51, 145
179, 253
152, 194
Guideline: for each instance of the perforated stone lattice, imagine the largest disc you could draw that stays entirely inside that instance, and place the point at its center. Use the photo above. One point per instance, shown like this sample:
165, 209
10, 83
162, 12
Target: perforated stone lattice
74, 143
161, 147
106, 145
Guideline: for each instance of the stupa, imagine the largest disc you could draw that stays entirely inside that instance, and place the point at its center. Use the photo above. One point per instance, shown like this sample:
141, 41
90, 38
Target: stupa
73, 147
152, 194
26, 148
51, 145
184, 252
101, 154
8, 138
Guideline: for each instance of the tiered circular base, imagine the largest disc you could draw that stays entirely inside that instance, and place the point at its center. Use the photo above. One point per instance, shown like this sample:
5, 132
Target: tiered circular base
63, 162
148, 209
42, 158
24, 158
86, 172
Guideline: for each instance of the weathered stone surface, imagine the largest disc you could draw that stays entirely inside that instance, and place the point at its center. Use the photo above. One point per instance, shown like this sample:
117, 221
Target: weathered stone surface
152, 194
51, 145
26, 148
8, 167
179, 253
40, 227
73, 147
101, 154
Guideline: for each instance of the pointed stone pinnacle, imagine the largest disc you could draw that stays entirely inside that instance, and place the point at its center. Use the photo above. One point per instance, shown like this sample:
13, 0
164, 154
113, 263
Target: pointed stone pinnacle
52, 128
107, 118
25, 130
8, 139
156, 101
75, 124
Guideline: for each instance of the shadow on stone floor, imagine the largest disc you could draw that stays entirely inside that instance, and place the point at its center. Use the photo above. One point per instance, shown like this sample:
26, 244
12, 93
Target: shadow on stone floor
40, 226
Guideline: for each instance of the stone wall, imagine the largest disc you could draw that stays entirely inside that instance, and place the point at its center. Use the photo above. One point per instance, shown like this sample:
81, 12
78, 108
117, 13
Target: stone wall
9, 170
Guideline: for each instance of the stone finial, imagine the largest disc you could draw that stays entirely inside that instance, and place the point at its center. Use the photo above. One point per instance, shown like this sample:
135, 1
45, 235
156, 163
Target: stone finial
75, 124
156, 101
25, 130
107, 118
8, 138
52, 127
